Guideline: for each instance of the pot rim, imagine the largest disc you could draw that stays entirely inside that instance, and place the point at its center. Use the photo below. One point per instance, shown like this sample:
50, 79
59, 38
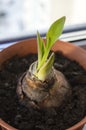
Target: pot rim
6, 126
79, 125
66, 48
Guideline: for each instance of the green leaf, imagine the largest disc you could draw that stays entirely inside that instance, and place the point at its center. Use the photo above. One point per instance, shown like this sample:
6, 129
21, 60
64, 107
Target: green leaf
45, 64
44, 59
41, 47
52, 35
54, 32
45, 69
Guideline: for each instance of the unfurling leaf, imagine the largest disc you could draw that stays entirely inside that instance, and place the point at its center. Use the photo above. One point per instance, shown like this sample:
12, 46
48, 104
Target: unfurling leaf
45, 62
45, 69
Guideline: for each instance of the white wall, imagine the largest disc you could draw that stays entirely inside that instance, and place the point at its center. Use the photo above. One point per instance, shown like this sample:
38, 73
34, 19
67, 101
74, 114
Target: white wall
30, 15
74, 10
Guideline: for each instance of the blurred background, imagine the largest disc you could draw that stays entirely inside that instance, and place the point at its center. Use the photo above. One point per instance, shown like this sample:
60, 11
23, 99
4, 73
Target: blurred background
22, 18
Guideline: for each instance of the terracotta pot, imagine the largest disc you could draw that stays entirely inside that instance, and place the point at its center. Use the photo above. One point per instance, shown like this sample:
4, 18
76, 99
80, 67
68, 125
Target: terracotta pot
30, 46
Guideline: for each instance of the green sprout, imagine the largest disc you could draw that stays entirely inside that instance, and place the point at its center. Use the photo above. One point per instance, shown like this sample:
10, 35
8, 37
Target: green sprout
45, 62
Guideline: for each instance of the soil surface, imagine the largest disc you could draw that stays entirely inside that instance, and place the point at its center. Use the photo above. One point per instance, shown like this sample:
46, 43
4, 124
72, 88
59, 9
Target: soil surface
22, 118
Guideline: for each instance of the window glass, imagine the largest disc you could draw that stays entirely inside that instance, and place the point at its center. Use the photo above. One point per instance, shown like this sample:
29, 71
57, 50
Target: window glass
24, 17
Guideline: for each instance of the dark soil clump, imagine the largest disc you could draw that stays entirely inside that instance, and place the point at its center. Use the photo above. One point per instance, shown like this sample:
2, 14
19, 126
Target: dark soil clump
60, 118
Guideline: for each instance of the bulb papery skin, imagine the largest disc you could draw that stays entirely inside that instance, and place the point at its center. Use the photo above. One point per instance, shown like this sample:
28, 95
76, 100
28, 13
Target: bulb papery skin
42, 76
49, 93
37, 89
33, 69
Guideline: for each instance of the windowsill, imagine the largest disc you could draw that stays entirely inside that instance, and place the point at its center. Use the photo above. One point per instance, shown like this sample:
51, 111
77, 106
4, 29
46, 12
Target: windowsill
74, 34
